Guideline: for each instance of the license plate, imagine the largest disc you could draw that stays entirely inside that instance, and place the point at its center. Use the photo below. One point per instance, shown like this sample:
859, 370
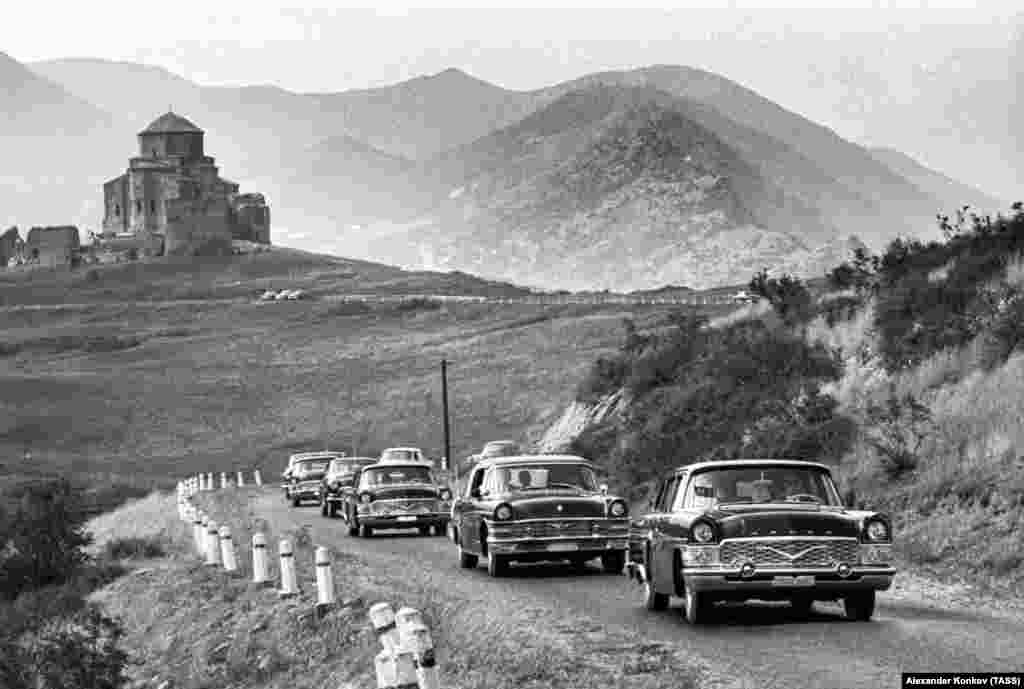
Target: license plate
803, 580
409, 518
562, 547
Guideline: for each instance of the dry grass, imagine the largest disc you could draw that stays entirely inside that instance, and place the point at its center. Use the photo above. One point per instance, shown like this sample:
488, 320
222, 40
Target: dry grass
206, 629
959, 511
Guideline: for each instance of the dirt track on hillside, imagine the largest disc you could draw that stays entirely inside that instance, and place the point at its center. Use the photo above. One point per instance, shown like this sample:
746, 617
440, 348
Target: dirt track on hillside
757, 645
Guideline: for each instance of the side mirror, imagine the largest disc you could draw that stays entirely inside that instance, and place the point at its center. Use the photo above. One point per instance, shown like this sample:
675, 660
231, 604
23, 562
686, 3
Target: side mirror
604, 489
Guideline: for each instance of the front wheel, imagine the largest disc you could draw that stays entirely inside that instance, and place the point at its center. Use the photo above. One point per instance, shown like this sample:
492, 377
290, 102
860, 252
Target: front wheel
353, 528
467, 560
424, 530
323, 508
696, 606
497, 565
365, 531
296, 502
613, 563
332, 510
859, 606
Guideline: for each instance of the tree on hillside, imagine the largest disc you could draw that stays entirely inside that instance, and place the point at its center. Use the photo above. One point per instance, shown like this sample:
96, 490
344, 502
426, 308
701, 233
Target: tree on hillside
788, 295
45, 537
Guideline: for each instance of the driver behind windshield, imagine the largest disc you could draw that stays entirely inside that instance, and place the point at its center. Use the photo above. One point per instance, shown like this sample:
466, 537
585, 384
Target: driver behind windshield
794, 485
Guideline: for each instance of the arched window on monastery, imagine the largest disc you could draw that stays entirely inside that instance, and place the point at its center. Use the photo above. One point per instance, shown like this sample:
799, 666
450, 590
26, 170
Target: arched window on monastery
117, 210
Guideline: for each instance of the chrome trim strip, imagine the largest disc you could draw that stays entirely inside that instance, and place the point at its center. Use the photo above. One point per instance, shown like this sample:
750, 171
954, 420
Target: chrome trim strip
612, 520
776, 539
598, 537
692, 570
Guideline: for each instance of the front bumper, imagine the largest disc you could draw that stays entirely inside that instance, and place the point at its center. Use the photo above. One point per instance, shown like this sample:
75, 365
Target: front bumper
304, 493
557, 546
404, 521
764, 580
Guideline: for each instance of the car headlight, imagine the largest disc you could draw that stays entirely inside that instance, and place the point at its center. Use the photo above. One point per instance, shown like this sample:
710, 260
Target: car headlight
503, 512
702, 532
877, 530
334, 485
365, 498
617, 509
446, 495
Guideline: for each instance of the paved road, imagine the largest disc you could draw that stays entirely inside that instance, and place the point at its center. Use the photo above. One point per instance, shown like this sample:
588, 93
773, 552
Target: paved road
760, 645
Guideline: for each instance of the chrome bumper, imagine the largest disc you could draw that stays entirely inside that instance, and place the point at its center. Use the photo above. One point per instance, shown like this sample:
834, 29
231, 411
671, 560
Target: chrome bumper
825, 579
564, 546
403, 521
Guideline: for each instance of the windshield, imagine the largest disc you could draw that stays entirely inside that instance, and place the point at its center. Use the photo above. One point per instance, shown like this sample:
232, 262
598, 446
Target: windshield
311, 469
756, 485
543, 477
395, 475
400, 455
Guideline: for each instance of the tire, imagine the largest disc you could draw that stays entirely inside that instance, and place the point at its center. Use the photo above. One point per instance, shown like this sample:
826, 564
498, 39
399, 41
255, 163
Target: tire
497, 565
353, 528
332, 510
613, 563
467, 560
653, 600
323, 508
296, 502
696, 606
424, 530
801, 606
859, 606
365, 531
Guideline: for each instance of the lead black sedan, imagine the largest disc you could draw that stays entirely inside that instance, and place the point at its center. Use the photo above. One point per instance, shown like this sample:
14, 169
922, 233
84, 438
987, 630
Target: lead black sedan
531, 508
758, 530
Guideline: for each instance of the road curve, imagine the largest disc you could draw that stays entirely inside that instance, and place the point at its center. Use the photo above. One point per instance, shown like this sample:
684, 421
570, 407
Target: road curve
758, 645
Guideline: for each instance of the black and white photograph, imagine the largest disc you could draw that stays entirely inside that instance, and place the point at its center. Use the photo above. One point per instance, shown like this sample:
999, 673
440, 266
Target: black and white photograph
476, 347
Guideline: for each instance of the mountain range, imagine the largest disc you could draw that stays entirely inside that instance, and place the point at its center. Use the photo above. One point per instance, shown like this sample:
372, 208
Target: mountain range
623, 180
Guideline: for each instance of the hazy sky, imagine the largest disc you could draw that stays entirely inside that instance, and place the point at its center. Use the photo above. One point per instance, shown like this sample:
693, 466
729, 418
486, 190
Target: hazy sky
228, 42
875, 72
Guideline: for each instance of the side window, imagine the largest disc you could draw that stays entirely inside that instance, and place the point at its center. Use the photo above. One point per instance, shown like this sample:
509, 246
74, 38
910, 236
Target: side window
475, 481
656, 505
668, 499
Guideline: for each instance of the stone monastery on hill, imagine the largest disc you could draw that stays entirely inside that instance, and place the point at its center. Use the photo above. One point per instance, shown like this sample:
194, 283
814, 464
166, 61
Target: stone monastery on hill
172, 200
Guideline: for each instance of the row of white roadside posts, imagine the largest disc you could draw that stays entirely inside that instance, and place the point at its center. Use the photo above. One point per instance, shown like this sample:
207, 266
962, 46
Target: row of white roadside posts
407, 659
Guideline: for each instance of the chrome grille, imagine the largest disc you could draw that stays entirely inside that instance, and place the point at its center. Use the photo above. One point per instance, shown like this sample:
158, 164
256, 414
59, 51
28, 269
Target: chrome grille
798, 552
570, 528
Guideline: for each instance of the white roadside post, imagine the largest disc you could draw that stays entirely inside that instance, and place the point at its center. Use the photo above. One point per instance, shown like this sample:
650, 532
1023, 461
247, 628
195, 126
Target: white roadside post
199, 533
212, 544
240, 480
259, 559
415, 639
259, 479
227, 550
289, 586
382, 617
223, 480
324, 582
209, 481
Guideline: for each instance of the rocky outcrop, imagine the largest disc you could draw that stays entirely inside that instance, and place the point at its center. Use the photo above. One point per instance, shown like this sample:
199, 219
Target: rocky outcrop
579, 416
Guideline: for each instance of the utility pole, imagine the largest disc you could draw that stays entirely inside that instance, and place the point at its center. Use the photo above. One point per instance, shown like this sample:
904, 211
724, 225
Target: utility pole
451, 466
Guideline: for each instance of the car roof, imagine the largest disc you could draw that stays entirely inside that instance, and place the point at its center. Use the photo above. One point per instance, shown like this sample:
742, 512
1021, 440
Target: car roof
403, 449
393, 464
358, 460
741, 463
534, 459
323, 454
500, 442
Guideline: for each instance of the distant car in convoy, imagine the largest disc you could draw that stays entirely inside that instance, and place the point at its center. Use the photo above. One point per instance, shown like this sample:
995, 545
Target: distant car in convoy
397, 495
529, 508
403, 454
758, 530
299, 456
303, 477
338, 481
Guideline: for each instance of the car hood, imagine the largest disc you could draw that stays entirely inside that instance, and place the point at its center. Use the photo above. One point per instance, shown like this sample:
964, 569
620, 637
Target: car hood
557, 505
776, 520
404, 491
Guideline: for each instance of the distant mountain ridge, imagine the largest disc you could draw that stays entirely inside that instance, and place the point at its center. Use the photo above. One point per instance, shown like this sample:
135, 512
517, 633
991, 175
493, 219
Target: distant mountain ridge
448, 171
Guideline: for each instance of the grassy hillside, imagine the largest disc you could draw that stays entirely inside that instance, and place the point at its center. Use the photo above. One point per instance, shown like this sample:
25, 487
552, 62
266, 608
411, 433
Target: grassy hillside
908, 377
138, 392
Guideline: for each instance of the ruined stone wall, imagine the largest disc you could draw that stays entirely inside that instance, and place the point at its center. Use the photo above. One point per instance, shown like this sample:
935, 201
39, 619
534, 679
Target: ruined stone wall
115, 205
9, 241
52, 246
198, 227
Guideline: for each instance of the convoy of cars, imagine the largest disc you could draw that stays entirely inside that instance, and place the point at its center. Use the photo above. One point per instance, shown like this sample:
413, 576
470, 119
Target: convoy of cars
722, 531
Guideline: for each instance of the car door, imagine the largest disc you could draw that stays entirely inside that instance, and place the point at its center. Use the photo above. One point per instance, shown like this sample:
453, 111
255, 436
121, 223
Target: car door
663, 544
471, 513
